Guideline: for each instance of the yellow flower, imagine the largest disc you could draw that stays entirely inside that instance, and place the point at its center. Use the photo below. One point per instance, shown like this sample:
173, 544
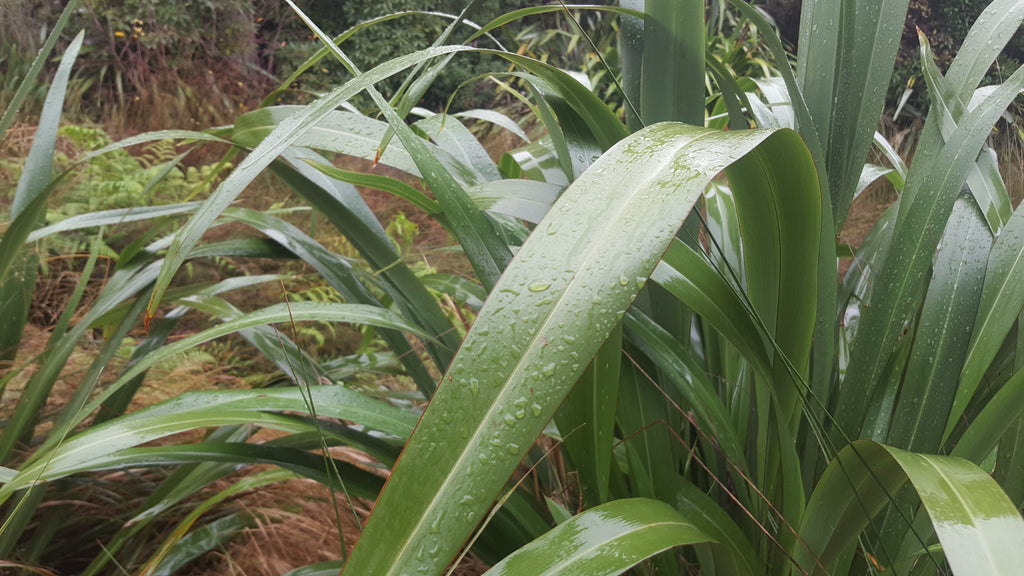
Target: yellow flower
119, 34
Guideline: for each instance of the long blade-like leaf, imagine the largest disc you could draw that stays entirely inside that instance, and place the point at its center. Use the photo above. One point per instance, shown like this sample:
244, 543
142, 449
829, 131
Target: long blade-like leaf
940, 342
286, 134
556, 303
899, 286
980, 529
29, 81
605, 540
203, 409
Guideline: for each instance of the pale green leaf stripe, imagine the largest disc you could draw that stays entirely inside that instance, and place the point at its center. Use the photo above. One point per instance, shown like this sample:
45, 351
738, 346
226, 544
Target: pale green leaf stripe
567, 288
496, 118
605, 540
109, 217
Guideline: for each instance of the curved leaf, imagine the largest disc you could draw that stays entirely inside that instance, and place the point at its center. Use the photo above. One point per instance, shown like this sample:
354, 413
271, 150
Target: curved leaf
204, 409
108, 217
980, 529
690, 277
524, 199
552, 309
605, 540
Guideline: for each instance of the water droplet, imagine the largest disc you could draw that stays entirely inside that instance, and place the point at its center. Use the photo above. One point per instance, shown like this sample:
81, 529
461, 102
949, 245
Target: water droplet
520, 414
495, 442
520, 402
536, 409
509, 420
539, 286
513, 448
623, 281
549, 370
474, 386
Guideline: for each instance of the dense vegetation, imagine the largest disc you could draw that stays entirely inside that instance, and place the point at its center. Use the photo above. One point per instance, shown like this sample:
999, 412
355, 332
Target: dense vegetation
645, 357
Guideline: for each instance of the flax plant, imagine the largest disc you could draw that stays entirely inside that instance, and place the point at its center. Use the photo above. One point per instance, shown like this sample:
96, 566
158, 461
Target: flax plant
724, 400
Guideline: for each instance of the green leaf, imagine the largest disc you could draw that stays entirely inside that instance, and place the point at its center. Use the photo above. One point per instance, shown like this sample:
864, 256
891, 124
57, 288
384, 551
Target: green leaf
940, 342
109, 217
899, 285
350, 478
672, 81
989, 34
453, 137
17, 262
204, 409
247, 483
496, 118
339, 274
392, 185
523, 199
976, 523
29, 81
587, 420
286, 134
1003, 292
202, 540
687, 274
984, 180
605, 540
537, 161
553, 308
988, 427
487, 253
846, 56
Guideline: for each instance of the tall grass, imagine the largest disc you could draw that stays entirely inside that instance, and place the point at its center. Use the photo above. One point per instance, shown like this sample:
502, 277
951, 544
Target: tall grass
713, 383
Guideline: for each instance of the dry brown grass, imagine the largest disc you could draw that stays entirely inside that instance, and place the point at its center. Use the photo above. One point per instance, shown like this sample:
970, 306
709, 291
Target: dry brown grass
295, 525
